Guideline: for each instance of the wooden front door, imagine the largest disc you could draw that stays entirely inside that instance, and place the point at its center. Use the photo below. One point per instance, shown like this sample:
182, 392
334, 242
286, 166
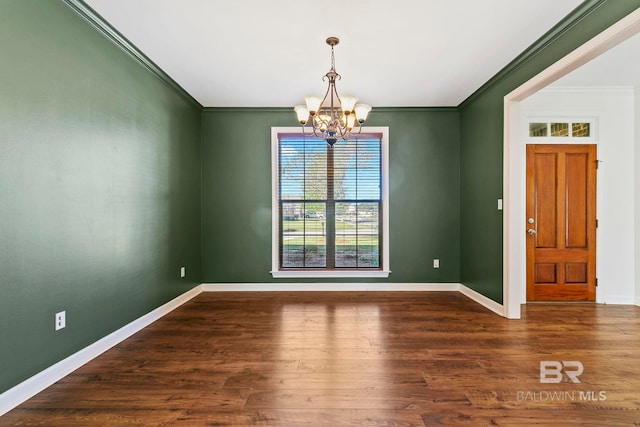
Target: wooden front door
561, 222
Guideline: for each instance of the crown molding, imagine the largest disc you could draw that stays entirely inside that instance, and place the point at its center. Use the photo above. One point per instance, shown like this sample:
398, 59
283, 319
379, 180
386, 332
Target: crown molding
577, 15
99, 23
247, 109
290, 109
413, 109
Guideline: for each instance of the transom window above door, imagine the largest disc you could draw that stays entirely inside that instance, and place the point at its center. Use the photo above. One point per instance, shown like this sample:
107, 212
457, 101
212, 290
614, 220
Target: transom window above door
330, 205
564, 129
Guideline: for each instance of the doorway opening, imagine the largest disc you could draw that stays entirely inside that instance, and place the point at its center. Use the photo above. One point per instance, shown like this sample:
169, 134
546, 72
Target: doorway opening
514, 231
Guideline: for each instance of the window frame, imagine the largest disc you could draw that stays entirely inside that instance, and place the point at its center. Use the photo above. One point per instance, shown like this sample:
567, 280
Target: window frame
276, 271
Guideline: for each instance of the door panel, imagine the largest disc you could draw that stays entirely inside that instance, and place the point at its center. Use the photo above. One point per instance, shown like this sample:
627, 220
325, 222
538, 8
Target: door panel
561, 222
546, 200
577, 172
576, 272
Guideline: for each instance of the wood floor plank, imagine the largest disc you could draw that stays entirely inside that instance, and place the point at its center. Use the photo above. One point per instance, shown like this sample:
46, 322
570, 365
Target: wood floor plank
391, 398
304, 417
355, 358
324, 381
531, 417
95, 417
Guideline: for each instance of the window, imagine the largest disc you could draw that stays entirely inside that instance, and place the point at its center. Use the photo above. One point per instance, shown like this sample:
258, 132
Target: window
581, 130
537, 129
330, 205
562, 129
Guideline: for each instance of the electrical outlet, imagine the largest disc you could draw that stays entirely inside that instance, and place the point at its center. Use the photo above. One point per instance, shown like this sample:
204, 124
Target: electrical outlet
61, 320
436, 263
183, 271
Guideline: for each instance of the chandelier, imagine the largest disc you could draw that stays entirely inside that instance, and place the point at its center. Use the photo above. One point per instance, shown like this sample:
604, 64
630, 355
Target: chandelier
333, 116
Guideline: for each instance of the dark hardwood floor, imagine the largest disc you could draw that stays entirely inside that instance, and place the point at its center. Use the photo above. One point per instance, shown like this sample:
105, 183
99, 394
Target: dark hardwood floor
375, 359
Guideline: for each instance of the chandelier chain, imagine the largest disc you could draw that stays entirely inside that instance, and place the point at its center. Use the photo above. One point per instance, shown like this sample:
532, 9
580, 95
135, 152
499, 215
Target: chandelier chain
333, 60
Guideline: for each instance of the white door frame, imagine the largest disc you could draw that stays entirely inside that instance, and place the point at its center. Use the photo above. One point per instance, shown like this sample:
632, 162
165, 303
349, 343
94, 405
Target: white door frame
513, 231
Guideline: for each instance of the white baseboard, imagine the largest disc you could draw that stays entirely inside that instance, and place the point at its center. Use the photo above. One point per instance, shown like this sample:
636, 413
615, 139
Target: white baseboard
483, 301
350, 287
387, 287
320, 287
617, 299
34, 385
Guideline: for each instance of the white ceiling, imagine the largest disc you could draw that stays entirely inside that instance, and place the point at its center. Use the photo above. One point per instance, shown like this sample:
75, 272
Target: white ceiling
257, 53
619, 66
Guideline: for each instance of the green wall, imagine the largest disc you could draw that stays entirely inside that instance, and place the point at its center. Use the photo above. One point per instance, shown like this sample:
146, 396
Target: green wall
110, 180
481, 121
99, 187
424, 162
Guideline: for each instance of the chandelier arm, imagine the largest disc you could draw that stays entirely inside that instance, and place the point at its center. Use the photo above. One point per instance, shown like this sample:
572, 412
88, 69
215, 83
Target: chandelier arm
319, 135
304, 131
332, 110
317, 119
319, 122
345, 133
325, 95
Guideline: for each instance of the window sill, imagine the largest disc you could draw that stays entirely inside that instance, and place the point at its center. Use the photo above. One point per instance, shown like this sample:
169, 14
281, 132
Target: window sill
302, 274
